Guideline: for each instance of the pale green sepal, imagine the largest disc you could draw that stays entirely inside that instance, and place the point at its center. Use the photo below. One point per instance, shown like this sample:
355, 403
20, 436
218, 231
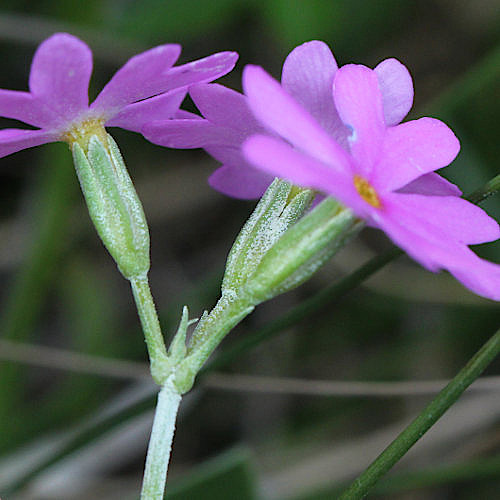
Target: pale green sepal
303, 244
132, 202
281, 206
199, 328
298, 202
302, 250
306, 270
113, 205
251, 240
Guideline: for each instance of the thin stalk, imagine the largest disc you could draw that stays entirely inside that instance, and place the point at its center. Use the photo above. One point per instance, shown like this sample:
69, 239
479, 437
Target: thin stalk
425, 420
151, 328
160, 443
489, 189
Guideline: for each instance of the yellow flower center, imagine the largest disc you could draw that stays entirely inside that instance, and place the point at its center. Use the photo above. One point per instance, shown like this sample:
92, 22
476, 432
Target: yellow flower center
83, 131
366, 191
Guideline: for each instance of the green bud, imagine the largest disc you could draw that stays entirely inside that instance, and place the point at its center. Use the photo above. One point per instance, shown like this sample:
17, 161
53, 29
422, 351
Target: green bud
113, 203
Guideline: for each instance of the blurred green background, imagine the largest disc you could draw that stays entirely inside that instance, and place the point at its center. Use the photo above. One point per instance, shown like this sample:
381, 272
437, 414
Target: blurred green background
76, 428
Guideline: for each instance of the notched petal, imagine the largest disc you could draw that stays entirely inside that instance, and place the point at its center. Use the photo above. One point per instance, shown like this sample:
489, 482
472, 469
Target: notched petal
60, 75
396, 86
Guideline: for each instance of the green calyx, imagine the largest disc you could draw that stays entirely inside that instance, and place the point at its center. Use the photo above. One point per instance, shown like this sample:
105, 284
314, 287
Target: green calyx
281, 246
302, 250
113, 204
280, 207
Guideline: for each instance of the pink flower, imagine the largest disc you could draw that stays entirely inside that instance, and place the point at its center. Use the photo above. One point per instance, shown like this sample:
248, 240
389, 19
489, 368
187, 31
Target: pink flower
380, 169
308, 74
146, 88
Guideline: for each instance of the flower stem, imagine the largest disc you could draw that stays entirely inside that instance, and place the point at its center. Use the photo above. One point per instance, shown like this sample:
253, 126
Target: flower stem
160, 443
425, 420
151, 328
489, 189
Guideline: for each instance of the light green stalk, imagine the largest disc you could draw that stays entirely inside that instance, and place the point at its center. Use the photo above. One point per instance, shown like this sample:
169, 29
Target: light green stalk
160, 443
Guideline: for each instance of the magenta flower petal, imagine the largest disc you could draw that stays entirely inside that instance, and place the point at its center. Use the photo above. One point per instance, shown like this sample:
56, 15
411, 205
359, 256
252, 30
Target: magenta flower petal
142, 76
278, 111
230, 155
413, 149
135, 116
144, 90
189, 133
223, 106
426, 242
13, 140
245, 182
478, 275
24, 107
420, 247
427, 246
60, 75
200, 71
431, 185
307, 76
359, 102
180, 114
451, 217
397, 90
237, 177
279, 159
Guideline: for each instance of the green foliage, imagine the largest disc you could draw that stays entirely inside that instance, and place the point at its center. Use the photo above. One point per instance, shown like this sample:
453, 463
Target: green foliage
175, 19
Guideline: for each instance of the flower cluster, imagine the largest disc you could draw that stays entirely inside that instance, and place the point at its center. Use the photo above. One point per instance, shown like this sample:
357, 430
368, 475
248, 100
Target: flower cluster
307, 76
336, 130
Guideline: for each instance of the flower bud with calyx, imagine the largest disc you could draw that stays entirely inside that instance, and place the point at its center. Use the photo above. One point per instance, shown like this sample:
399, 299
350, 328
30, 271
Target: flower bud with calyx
117, 213
278, 249
112, 201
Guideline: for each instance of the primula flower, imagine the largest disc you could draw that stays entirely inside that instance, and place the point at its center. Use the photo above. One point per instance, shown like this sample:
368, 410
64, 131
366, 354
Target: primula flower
307, 75
377, 172
146, 88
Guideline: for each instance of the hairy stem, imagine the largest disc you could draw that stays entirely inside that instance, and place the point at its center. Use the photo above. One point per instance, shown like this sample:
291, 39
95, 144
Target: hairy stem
160, 443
